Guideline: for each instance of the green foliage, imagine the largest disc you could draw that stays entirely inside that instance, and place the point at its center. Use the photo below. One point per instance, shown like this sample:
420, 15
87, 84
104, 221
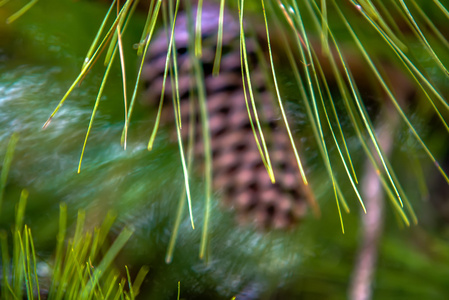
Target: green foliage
334, 51
83, 265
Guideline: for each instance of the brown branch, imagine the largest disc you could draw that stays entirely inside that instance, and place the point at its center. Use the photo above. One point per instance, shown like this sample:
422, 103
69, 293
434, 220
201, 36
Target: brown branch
372, 222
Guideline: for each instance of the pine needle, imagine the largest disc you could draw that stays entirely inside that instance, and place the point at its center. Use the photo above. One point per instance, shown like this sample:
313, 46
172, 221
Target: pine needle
161, 101
151, 25
181, 202
20, 12
201, 90
177, 113
219, 48
83, 73
198, 36
252, 110
94, 44
316, 116
7, 165
423, 39
281, 106
398, 108
95, 109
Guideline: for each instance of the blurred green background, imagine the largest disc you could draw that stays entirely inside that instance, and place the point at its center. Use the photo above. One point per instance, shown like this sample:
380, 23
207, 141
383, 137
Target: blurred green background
41, 54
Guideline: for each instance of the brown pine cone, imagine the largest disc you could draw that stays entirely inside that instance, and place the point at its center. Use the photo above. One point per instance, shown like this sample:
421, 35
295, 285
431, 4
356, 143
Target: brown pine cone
239, 175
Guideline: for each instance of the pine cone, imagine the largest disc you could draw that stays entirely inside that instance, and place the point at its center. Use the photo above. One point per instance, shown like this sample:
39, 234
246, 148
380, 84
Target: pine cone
239, 174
